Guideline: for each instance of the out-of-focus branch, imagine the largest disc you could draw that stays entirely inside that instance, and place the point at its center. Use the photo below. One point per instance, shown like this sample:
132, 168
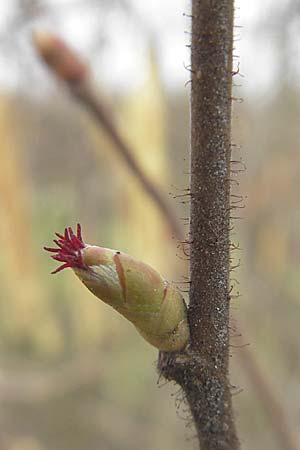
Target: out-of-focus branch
268, 398
74, 72
85, 94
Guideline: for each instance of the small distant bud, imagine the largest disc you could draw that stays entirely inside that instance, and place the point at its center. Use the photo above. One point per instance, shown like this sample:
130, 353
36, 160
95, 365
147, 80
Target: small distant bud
131, 287
64, 62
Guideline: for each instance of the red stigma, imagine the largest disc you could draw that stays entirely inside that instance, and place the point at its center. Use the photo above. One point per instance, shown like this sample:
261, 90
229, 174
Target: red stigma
69, 249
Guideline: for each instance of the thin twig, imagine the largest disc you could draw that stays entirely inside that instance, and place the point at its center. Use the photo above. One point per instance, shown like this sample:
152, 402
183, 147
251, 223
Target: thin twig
69, 67
269, 400
84, 93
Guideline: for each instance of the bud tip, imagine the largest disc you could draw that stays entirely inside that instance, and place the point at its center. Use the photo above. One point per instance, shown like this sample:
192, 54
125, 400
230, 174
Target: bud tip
69, 249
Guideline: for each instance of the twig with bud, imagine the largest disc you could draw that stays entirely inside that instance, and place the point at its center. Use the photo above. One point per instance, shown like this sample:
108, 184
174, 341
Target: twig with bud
131, 287
70, 68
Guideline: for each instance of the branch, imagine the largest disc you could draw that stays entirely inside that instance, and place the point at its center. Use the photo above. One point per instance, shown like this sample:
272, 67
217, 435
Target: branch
74, 72
212, 36
267, 397
203, 370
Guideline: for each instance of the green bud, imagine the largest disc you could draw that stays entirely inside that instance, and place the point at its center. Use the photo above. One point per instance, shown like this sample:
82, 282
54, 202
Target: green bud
131, 287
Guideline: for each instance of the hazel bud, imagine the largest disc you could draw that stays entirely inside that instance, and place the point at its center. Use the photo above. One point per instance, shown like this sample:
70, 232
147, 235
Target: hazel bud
131, 287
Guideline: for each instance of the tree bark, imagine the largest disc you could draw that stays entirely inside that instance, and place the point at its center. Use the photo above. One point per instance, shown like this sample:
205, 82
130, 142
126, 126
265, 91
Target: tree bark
202, 370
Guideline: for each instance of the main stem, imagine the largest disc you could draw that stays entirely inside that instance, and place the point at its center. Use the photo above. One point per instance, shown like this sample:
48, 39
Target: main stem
202, 370
212, 37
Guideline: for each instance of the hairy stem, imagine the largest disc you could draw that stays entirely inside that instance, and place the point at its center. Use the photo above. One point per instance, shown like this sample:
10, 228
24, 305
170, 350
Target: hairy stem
212, 37
203, 371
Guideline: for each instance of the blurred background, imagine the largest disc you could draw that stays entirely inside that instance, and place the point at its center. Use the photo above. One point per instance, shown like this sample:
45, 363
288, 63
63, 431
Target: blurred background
73, 374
